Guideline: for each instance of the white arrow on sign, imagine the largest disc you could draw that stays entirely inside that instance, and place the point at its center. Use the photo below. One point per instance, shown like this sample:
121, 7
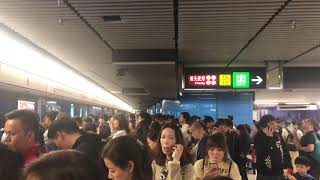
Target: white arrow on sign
258, 80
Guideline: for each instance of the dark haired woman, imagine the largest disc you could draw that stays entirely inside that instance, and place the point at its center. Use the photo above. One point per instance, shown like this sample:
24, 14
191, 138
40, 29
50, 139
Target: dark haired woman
63, 165
127, 159
172, 160
218, 162
120, 125
152, 137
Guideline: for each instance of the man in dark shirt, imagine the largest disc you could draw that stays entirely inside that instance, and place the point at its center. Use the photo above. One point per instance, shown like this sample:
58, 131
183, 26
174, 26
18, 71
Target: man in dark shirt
272, 154
67, 135
307, 145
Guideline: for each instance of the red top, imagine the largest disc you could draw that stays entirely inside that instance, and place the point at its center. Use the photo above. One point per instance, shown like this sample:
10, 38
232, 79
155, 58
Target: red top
32, 154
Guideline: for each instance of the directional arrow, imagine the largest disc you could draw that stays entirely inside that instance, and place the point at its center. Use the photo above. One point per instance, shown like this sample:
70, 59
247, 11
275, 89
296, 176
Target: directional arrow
258, 80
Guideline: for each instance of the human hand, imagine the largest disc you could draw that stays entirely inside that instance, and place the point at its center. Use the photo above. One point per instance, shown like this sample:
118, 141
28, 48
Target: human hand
177, 152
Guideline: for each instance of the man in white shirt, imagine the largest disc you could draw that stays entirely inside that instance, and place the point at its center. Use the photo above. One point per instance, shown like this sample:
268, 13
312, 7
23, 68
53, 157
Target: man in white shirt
183, 122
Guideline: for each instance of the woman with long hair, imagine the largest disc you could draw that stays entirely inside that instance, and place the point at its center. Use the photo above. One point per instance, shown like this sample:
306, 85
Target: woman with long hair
173, 161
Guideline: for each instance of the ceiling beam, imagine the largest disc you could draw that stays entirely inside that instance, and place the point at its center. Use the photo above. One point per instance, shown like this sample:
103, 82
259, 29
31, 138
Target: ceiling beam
72, 8
260, 31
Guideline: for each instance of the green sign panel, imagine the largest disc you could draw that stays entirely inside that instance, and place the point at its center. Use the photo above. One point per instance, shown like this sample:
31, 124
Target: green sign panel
241, 80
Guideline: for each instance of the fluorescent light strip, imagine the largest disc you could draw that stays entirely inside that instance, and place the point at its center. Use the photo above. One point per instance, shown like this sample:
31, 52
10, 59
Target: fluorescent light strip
266, 103
21, 55
274, 87
297, 103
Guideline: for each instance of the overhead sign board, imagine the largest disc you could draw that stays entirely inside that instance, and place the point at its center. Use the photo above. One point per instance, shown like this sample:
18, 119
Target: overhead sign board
225, 78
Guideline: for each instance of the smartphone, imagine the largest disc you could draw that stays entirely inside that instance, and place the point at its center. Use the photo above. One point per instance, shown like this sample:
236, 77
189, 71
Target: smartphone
212, 166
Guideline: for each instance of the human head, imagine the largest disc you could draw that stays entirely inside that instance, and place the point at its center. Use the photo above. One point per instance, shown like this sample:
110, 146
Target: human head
223, 125
169, 119
302, 164
153, 134
88, 125
159, 118
143, 116
132, 125
61, 129
268, 121
11, 164
142, 130
208, 122
196, 130
170, 135
62, 165
49, 118
78, 120
103, 131
127, 159
217, 148
243, 130
120, 122
310, 125
184, 117
21, 130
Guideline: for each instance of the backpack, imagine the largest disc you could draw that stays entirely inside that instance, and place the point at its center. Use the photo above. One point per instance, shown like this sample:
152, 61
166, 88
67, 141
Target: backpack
316, 153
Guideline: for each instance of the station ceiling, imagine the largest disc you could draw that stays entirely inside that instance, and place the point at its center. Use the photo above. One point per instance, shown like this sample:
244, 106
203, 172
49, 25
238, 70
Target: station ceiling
85, 34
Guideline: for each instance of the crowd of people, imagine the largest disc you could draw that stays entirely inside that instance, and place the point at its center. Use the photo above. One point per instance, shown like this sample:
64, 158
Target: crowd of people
160, 147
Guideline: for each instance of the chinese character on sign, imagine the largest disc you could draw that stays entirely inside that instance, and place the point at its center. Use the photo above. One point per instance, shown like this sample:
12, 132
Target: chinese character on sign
191, 78
211, 80
241, 79
225, 80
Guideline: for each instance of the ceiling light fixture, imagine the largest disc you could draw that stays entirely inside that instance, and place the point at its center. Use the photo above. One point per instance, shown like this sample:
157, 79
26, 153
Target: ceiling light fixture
21, 54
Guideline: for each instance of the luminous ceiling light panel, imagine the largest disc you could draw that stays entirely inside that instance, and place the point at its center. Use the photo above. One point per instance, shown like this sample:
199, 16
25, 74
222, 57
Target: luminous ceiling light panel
274, 88
20, 54
266, 103
297, 103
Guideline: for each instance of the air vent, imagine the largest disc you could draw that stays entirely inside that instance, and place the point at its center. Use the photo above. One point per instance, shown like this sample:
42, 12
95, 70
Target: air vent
135, 92
111, 18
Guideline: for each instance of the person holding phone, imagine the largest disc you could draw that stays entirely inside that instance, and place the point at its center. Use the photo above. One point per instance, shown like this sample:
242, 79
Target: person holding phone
272, 153
172, 162
217, 162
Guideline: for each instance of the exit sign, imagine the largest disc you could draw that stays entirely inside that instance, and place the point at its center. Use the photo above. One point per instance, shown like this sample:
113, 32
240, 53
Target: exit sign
225, 78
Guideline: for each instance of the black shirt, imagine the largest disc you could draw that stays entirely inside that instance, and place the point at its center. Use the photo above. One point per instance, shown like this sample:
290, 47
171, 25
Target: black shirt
91, 144
232, 142
272, 154
305, 140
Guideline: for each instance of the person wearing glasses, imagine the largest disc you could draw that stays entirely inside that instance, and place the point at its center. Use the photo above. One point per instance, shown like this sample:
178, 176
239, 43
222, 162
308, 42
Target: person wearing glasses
21, 130
217, 162
172, 162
